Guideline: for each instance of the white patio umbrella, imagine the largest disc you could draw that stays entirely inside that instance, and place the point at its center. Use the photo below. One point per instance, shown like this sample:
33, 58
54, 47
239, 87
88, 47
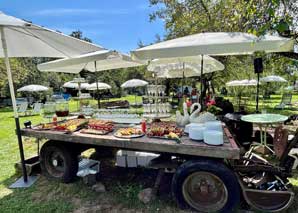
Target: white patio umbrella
93, 62
23, 39
214, 43
98, 86
242, 83
133, 83
33, 88
273, 78
181, 67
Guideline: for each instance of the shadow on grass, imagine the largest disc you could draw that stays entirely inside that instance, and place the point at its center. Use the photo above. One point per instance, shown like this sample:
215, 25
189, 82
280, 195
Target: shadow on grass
6, 109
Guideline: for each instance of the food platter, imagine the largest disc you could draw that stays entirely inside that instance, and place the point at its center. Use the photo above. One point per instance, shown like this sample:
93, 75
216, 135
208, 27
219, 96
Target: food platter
101, 125
46, 126
94, 132
129, 133
162, 129
66, 126
71, 125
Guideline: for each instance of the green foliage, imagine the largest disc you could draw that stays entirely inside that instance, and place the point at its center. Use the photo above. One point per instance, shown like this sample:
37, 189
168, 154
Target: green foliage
258, 17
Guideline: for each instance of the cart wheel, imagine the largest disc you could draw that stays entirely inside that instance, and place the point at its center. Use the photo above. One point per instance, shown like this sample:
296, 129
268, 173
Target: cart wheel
206, 186
58, 162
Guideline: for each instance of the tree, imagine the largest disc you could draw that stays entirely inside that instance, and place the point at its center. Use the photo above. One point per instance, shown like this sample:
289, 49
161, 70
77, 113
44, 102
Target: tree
79, 35
253, 16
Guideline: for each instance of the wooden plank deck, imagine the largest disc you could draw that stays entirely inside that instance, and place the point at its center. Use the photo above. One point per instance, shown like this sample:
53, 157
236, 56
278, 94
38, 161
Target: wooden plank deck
229, 150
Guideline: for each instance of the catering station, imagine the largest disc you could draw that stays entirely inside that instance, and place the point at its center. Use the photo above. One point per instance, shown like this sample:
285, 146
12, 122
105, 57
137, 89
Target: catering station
212, 168
209, 170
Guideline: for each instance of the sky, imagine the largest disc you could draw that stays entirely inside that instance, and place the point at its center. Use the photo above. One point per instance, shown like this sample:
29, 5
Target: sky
113, 24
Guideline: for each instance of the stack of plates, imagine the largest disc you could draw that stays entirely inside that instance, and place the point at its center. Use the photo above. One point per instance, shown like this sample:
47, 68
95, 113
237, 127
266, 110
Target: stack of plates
196, 132
210, 132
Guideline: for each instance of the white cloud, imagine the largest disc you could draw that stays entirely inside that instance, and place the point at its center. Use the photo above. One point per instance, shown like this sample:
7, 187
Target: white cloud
69, 11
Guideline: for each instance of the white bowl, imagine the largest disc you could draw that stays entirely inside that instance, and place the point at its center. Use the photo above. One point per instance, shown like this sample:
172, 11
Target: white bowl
212, 137
196, 132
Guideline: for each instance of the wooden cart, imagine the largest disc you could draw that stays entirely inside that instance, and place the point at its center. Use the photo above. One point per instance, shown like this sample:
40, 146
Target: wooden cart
203, 177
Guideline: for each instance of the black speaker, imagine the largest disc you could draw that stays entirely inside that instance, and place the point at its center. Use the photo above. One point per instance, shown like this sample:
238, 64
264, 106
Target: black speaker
258, 64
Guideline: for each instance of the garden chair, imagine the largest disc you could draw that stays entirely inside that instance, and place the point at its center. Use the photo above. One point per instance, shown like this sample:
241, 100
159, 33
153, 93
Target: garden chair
286, 100
22, 108
36, 109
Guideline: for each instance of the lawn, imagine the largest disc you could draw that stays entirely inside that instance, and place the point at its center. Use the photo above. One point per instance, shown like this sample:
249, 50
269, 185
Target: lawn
50, 196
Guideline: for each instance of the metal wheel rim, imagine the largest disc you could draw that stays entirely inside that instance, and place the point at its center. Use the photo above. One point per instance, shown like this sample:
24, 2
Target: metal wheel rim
53, 158
205, 192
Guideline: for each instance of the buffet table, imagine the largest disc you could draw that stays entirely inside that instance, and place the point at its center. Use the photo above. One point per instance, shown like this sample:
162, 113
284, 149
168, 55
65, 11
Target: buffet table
229, 150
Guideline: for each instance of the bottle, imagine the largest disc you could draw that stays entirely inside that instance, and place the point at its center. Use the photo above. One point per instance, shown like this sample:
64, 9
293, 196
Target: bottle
55, 119
143, 124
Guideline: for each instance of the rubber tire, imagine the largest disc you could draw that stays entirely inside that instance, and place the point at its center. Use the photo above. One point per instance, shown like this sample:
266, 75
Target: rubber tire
70, 160
208, 165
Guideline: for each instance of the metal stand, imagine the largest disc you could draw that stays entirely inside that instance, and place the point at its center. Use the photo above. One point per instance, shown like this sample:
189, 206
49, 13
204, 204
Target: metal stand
257, 98
20, 183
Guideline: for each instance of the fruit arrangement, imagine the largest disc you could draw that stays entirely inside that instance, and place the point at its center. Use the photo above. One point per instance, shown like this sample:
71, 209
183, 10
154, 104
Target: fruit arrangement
129, 132
101, 125
70, 125
164, 129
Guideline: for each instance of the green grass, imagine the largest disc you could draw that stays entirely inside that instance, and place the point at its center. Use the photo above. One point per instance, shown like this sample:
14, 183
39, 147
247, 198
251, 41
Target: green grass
50, 196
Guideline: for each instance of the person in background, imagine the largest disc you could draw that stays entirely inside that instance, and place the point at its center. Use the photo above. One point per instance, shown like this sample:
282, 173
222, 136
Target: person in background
194, 95
209, 99
186, 91
44, 100
224, 91
188, 102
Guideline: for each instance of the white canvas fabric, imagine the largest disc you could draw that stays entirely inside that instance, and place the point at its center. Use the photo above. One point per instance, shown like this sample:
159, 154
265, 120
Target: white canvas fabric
25, 39
214, 43
184, 66
99, 85
273, 78
33, 88
245, 82
95, 61
73, 85
134, 83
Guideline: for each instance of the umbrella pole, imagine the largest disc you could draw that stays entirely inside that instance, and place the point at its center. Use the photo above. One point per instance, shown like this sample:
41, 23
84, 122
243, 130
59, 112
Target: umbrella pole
257, 98
14, 105
202, 64
97, 90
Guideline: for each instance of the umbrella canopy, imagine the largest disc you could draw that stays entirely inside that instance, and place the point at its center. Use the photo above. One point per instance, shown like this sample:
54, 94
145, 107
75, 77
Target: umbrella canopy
96, 61
33, 88
214, 43
184, 66
99, 86
23, 39
73, 85
242, 83
134, 83
273, 78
